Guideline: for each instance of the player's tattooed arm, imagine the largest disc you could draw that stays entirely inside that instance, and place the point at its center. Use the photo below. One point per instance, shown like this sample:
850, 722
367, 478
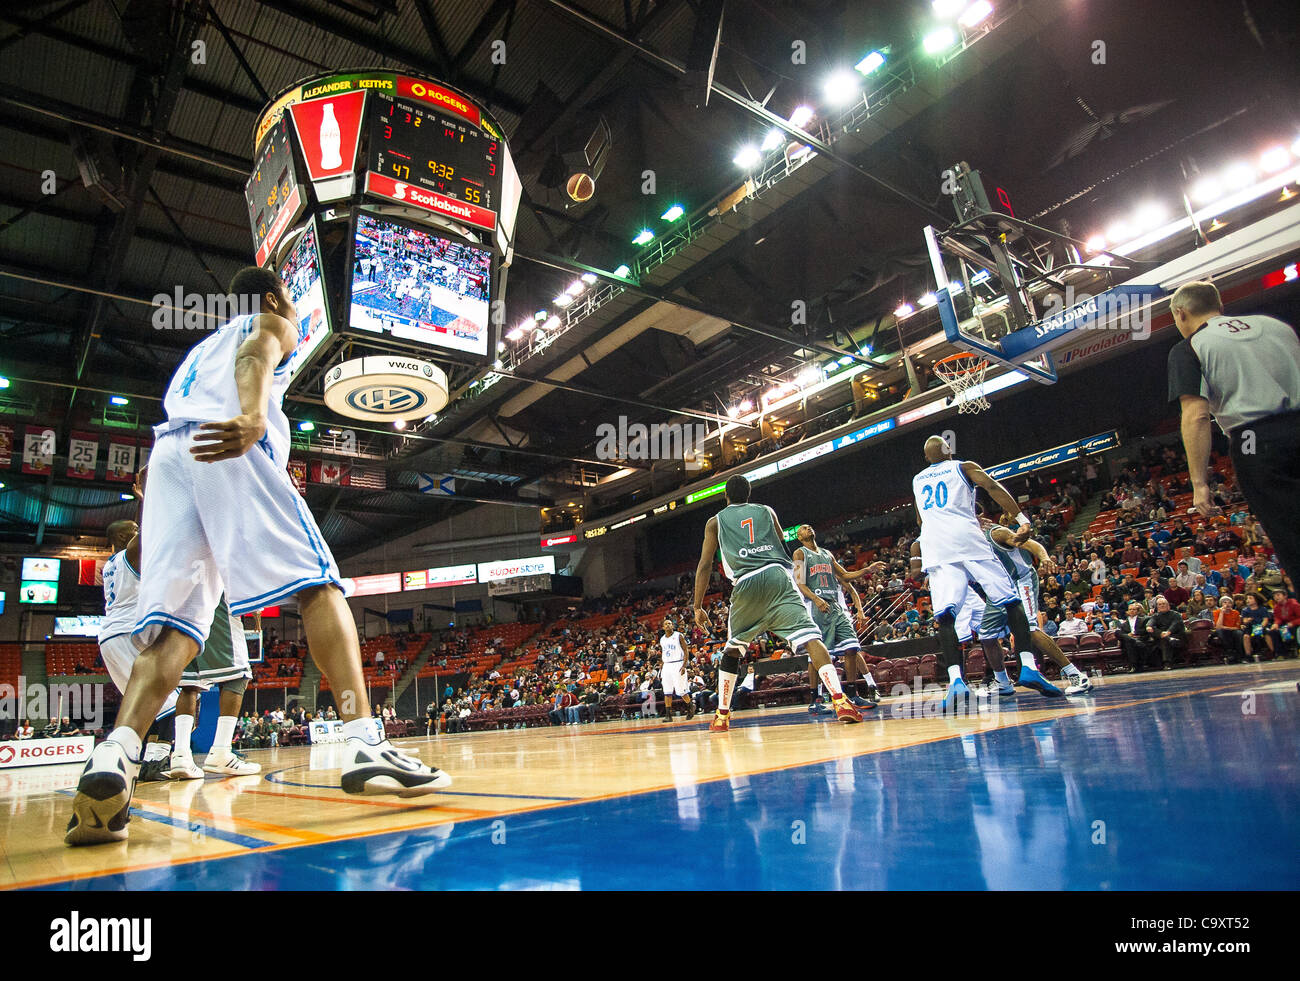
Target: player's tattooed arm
702, 570
271, 340
1001, 496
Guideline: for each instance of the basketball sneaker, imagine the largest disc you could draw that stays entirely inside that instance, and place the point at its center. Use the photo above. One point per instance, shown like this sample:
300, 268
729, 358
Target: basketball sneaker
182, 768
101, 809
233, 765
377, 766
1082, 685
845, 710
819, 707
957, 696
995, 687
1030, 678
861, 702
721, 722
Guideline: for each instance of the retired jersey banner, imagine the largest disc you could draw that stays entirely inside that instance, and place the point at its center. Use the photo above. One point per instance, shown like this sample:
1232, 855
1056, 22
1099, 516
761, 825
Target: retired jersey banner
145, 450
83, 454
6, 446
121, 459
90, 572
298, 474
38, 450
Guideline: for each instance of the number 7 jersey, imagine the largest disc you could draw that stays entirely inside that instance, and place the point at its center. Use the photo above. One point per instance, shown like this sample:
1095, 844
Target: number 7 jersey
950, 530
748, 540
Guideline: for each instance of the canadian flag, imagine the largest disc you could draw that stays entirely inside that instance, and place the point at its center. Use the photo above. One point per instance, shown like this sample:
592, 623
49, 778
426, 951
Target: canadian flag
326, 472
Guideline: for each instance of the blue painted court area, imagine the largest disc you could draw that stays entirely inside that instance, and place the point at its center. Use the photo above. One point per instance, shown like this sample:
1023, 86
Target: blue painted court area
1179, 794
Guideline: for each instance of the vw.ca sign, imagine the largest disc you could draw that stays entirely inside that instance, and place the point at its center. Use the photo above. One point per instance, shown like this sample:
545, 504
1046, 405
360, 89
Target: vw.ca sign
385, 388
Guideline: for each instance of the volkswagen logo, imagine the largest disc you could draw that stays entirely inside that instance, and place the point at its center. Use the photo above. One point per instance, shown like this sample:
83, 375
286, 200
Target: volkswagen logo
428, 371
338, 373
389, 399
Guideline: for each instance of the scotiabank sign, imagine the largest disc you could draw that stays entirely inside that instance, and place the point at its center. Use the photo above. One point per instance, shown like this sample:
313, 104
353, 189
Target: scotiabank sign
429, 200
43, 752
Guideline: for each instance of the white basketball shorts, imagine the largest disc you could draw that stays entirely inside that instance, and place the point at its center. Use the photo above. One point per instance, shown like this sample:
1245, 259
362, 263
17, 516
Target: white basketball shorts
237, 526
119, 655
950, 584
969, 615
674, 680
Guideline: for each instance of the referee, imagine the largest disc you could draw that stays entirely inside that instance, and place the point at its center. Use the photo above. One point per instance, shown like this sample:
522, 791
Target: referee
1244, 371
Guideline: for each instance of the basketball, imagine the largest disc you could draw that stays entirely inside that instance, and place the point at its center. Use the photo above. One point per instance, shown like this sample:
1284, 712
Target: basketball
580, 187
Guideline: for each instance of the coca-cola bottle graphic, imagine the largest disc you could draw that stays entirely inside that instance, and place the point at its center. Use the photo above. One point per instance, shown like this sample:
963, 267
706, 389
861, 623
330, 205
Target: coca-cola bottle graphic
330, 140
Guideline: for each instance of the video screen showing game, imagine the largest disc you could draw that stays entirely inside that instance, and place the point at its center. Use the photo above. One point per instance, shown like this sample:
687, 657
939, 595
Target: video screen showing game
301, 272
418, 286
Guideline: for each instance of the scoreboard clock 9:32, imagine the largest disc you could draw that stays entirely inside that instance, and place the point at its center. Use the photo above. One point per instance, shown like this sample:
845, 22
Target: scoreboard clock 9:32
409, 142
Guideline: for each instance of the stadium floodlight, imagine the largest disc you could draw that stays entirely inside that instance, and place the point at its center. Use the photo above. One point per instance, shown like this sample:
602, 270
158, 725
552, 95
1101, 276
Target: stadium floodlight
747, 406
576, 287
119, 400
589, 279
673, 213
400, 424
518, 333
1274, 159
501, 346
4, 382
747, 157
840, 88
563, 300
1121, 231
947, 9
803, 115
1095, 243
904, 310
1207, 189
552, 323
498, 364
939, 40
774, 138
541, 315
928, 300
306, 426
1239, 175
733, 411
870, 63
809, 376
976, 13
643, 236
126, 497
623, 272
1150, 215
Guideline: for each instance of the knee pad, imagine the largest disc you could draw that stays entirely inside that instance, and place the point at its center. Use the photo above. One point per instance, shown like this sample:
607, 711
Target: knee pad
237, 687
729, 662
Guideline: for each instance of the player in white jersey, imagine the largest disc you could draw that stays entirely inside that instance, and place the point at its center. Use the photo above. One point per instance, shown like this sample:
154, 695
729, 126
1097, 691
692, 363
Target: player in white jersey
225, 443
121, 590
953, 552
672, 674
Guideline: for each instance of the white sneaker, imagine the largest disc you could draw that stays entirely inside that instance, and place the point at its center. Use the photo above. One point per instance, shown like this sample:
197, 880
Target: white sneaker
1081, 685
233, 765
384, 769
101, 809
182, 768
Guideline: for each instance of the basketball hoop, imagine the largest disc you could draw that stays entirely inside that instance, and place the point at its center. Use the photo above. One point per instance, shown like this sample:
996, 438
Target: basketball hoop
964, 374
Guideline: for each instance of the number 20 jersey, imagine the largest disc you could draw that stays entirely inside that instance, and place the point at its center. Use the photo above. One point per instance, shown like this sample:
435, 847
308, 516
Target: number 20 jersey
950, 531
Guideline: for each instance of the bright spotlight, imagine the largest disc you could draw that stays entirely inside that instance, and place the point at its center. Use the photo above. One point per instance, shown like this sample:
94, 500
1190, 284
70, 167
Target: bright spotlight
803, 115
746, 158
841, 88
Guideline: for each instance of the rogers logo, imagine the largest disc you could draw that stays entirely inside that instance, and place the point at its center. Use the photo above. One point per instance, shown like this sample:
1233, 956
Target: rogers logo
6, 754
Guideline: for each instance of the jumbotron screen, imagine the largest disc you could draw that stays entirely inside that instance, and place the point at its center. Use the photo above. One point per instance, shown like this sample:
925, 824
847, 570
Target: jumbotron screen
415, 285
301, 272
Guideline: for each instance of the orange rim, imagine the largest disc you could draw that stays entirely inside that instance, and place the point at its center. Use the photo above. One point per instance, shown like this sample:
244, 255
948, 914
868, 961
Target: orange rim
963, 363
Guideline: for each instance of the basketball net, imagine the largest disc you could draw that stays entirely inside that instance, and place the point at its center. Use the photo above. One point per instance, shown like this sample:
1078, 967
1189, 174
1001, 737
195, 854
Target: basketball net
964, 374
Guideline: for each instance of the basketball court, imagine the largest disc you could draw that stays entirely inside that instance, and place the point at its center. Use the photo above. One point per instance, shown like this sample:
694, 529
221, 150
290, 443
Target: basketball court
1119, 791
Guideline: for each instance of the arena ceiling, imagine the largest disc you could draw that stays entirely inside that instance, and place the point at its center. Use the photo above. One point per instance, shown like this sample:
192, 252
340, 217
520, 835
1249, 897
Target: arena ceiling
1071, 139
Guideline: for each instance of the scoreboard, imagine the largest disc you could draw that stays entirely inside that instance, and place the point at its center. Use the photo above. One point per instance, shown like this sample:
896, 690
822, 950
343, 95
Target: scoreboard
387, 201
273, 194
419, 144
